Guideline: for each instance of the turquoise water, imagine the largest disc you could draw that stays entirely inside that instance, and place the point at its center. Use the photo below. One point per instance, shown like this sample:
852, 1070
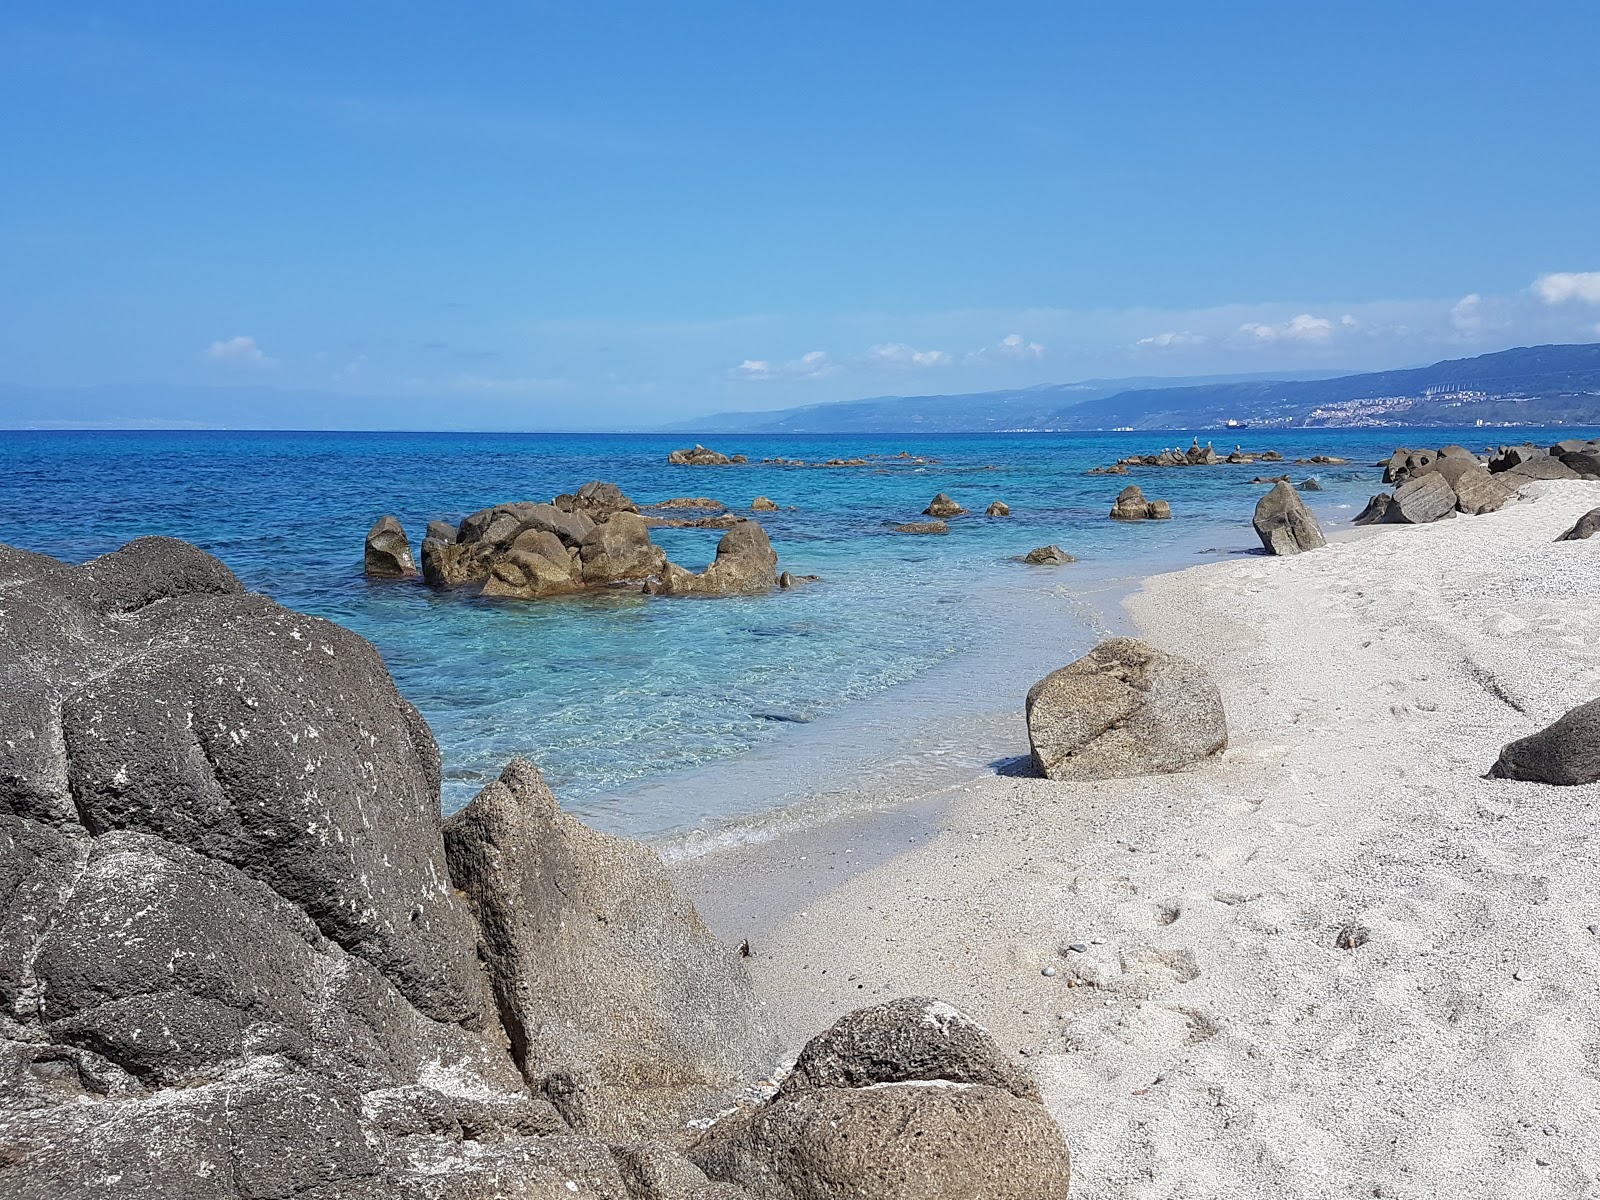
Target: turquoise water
608, 693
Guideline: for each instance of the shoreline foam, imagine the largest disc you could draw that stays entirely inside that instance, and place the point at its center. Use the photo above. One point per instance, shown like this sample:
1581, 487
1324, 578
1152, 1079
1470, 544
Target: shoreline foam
1219, 1040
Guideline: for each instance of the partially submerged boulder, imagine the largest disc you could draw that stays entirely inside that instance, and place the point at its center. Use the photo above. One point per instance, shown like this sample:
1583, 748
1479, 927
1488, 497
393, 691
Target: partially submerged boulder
942, 506
1125, 708
388, 552
998, 508
616, 997
1284, 523
922, 527
699, 456
1047, 556
1565, 753
1587, 526
910, 1100
1131, 505
746, 564
762, 504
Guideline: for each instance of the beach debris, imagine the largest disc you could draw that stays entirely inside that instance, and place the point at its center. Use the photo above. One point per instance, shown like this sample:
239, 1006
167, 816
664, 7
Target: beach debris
1588, 525
836, 1125
1131, 505
1284, 523
699, 456
1125, 708
1047, 556
762, 504
388, 552
998, 508
1565, 753
1352, 937
922, 527
942, 506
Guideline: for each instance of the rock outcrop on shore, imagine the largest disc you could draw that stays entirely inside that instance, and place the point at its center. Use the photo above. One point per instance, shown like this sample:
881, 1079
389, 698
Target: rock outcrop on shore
242, 956
1284, 523
1125, 708
593, 538
388, 551
1585, 527
1130, 505
1566, 753
1430, 485
699, 456
839, 1123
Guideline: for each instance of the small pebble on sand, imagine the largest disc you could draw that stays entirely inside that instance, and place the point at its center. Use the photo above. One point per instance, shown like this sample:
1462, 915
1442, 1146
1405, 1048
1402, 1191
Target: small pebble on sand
1048, 972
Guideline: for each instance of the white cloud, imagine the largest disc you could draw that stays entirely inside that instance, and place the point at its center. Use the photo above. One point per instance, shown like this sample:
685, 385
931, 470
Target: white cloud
1466, 315
813, 365
1172, 337
1014, 345
238, 352
900, 355
1304, 328
1563, 286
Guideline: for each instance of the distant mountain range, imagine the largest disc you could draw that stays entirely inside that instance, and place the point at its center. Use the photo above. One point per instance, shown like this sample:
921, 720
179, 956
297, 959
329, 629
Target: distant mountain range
1532, 385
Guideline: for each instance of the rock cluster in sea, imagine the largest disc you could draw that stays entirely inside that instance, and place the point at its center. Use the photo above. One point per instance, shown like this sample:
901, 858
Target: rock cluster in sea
699, 456
1430, 485
1196, 456
593, 538
242, 955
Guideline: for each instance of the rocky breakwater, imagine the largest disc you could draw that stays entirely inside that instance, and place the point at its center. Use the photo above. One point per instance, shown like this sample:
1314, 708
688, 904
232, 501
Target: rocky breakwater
594, 538
242, 956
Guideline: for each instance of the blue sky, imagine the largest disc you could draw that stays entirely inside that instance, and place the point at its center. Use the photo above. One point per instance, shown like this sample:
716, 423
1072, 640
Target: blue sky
604, 213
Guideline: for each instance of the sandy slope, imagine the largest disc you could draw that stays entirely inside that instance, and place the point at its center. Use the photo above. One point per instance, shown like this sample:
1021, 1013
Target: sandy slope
1220, 1043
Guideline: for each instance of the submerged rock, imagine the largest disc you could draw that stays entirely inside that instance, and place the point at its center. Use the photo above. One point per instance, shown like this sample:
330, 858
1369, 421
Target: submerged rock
1125, 708
1565, 753
922, 527
910, 1100
1284, 523
388, 553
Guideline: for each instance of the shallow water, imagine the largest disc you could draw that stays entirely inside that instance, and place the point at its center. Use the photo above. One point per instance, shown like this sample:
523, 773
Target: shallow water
624, 700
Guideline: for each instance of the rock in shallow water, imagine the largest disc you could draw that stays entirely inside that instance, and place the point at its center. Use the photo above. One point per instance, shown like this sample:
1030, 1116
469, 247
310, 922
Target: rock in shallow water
388, 553
1047, 556
1125, 708
1284, 523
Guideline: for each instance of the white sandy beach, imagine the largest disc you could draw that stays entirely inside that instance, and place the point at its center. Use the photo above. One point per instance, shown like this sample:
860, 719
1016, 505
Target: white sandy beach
1213, 1039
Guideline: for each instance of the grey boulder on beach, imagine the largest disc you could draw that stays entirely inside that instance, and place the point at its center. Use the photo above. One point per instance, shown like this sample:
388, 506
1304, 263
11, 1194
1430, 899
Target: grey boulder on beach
1566, 753
1284, 523
1125, 708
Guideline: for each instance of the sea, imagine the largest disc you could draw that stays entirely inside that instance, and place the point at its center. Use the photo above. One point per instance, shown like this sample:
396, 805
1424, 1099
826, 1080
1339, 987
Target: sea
692, 721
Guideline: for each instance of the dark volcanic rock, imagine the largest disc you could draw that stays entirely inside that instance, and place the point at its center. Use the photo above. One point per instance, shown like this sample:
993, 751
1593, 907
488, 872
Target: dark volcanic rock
1284, 523
388, 553
1587, 526
1124, 708
905, 1101
1566, 753
602, 971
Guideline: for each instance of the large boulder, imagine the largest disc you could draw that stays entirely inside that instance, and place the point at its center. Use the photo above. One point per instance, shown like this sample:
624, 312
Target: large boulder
388, 553
1477, 491
905, 1101
1541, 467
1125, 708
1376, 511
1584, 464
1587, 526
615, 995
619, 550
1284, 523
1047, 556
1131, 505
1421, 500
1404, 464
1566, 753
